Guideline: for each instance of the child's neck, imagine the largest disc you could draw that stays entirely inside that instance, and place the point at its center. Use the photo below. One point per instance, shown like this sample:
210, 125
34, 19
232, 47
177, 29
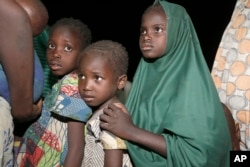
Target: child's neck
114, 99
59, 77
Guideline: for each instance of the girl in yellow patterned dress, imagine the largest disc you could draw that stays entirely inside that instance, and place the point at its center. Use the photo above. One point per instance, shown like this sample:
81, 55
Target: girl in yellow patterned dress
102, 72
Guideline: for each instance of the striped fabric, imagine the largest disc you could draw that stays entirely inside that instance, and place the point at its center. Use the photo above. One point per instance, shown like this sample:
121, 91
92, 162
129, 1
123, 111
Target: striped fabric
96, 141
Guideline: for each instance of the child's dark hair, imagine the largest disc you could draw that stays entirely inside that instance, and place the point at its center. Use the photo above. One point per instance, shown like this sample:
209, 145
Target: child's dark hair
118, 58
78, 26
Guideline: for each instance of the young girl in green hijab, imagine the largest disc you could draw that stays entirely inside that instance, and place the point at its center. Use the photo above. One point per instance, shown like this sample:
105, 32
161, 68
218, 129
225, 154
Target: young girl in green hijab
173, 115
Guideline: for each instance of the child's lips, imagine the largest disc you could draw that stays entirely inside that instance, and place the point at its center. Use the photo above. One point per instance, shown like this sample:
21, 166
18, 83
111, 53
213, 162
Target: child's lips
88, 98
54, 65
146, 47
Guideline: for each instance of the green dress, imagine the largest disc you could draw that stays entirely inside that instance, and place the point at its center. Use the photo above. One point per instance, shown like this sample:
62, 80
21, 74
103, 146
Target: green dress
175, 96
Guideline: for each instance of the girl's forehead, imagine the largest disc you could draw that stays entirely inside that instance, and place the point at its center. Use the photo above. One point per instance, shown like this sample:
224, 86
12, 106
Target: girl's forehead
65, 32
96, 61
154, 17
97, 55
154, 12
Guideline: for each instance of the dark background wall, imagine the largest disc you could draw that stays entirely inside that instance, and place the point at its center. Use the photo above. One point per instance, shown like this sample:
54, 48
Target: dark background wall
119, 20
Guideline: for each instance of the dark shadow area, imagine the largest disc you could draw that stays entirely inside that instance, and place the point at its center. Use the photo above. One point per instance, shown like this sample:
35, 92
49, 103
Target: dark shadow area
120, 21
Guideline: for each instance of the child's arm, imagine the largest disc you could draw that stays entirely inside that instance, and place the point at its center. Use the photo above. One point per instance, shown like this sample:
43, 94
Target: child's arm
113, 158
76, 144
113, 148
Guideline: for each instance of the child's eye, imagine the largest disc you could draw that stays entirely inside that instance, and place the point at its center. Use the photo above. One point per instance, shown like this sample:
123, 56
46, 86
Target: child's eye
143, 32
81, 76
68, 48
98, 78
51, 46
159, 29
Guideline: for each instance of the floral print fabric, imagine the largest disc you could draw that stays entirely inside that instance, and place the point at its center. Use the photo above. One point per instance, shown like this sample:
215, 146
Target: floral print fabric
45, 141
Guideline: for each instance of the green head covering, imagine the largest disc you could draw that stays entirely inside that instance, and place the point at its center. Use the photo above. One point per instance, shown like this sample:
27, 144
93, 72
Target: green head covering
175, 96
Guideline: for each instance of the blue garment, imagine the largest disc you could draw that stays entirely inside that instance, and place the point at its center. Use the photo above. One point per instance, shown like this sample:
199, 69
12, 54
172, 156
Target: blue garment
38, 81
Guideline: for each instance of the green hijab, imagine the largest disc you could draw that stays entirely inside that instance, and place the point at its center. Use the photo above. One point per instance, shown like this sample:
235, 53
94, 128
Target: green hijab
175, 96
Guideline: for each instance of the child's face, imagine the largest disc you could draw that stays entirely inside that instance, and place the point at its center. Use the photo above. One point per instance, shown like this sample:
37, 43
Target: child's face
153, 34
97, 83
63, 50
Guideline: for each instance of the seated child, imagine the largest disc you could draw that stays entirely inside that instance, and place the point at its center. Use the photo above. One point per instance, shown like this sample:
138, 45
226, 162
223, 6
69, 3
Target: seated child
57, 138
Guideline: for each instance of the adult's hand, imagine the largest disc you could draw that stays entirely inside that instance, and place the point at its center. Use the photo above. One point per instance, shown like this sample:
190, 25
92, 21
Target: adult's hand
37, 108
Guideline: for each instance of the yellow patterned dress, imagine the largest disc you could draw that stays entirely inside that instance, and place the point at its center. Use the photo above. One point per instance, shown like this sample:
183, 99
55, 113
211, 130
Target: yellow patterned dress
96, 141
231, 69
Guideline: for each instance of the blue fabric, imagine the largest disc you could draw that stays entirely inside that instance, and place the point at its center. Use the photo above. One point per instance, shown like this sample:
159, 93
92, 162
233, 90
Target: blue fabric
38, 81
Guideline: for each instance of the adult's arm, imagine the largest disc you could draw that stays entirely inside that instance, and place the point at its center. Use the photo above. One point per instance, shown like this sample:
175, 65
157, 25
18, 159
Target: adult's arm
16, 57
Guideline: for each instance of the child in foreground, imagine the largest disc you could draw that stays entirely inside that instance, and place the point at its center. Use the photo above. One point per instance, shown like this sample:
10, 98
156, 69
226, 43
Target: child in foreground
102, 71
57, 138
175, 115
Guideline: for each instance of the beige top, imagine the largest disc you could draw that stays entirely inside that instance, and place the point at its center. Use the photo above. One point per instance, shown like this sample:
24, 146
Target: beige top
98, 140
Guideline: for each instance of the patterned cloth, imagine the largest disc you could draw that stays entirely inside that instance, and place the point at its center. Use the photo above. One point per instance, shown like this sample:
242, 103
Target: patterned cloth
6, 135
6, 123
231, 69
45, 141
97, 140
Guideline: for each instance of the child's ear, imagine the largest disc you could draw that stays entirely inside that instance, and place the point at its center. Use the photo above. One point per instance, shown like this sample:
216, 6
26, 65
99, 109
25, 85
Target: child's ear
122, 81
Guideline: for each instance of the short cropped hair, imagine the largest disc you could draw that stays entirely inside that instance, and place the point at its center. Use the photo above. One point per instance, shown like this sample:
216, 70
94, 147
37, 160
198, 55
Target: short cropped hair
84, 33
118, 58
